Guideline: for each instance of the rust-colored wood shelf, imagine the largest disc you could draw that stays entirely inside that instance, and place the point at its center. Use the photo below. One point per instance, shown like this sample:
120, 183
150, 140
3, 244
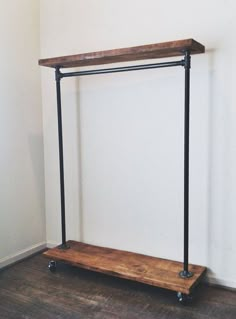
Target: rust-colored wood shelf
144, 52
145, 269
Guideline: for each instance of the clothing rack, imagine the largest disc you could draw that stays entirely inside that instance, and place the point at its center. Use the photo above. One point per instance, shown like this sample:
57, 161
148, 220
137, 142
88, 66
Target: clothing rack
176, 276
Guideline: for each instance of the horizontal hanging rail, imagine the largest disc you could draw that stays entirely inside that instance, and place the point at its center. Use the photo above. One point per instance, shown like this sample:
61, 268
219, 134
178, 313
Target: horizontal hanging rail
121, 69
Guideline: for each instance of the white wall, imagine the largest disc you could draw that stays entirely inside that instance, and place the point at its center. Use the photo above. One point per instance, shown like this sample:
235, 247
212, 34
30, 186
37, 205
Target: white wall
123, 133
22, 209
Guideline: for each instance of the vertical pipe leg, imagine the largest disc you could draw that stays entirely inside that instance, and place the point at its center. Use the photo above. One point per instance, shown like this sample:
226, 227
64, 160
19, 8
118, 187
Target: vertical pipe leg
185, 273
61, 162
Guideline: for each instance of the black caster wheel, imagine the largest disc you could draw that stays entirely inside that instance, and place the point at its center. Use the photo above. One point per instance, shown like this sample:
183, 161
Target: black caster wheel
183, 298
52, 265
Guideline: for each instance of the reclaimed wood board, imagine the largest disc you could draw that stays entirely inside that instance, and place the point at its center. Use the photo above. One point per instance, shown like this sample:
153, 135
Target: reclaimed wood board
145, 269
144, 52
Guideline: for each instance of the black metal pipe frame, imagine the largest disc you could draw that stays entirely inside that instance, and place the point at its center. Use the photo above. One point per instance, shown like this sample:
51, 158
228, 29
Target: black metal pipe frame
187, 64
61, 161
185, 273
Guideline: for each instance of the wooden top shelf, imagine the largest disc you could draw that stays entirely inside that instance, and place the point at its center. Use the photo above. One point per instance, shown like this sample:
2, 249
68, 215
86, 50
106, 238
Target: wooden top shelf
144, 52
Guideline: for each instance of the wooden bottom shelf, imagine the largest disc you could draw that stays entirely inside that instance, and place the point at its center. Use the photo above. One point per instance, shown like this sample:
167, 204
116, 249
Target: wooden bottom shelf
145, 269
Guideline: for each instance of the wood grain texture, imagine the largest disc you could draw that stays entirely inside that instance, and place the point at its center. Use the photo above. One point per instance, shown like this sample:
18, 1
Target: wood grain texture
144, 52
29, 291
145, 269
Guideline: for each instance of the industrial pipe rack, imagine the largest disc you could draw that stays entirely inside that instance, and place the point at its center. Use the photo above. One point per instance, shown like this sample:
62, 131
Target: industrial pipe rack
176, 276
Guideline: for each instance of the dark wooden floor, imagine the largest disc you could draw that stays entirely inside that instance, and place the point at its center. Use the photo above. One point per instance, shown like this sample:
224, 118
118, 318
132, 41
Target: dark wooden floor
28, 290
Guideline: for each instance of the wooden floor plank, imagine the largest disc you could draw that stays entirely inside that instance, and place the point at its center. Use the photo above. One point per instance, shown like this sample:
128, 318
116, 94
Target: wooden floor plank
29, 291
145, 269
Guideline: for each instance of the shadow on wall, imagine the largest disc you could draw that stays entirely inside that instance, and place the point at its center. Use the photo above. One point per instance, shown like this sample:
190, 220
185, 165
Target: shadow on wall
219, 221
